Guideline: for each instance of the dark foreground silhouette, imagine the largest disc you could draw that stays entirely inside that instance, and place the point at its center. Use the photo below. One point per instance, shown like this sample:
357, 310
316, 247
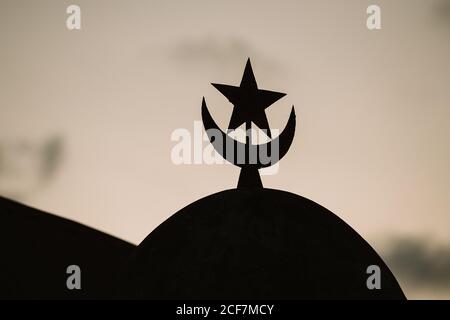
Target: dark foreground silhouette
36, 248
255, 244
236, 244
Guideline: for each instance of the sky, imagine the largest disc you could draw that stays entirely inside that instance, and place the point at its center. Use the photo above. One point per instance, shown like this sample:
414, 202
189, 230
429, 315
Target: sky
86, 116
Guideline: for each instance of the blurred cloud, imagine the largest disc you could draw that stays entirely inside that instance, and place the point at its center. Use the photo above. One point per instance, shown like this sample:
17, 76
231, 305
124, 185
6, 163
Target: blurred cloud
442, 9
27, 164
52, 154
207, 52
420, 262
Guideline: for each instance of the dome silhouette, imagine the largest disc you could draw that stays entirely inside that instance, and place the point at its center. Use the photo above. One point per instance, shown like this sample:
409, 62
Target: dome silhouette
255, 244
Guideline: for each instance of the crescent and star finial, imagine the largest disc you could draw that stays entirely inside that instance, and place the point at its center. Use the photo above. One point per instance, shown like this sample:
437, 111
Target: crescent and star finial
249, 104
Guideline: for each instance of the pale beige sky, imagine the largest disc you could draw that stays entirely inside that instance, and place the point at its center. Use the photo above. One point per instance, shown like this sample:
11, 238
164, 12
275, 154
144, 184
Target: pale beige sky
373, 106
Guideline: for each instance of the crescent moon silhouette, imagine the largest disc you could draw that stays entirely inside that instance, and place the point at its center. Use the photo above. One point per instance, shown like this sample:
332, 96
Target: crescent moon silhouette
281, 143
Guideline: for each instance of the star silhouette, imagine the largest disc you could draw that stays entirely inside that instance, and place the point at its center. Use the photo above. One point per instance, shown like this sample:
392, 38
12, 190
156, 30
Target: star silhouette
249, 102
